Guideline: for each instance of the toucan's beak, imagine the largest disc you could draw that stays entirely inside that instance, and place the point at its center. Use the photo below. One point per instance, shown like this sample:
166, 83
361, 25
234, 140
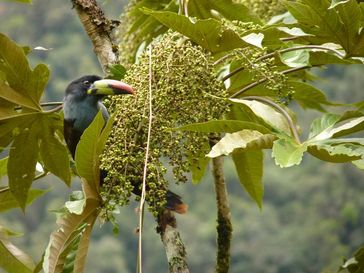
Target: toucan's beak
110, 87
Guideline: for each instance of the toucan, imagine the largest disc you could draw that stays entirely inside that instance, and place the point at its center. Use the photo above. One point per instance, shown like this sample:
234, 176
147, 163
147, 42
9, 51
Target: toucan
82, 102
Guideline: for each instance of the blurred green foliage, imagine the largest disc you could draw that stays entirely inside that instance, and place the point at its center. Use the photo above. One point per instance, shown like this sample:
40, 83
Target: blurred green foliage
312, 214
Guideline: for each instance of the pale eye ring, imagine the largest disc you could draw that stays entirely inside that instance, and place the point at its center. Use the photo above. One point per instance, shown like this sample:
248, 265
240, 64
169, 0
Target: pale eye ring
85, 82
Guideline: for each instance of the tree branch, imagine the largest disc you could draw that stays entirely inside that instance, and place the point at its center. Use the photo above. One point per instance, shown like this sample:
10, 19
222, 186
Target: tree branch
175, 249
99, 29
224, 226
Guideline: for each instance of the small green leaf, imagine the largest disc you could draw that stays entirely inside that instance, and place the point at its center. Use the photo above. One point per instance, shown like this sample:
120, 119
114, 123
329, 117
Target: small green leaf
198, 164
334, 3
77, 203
116, 72
12, 259
3, 166
8, 201
320, 126
287, 152
249, 166
254, 39
240, 140
297, 58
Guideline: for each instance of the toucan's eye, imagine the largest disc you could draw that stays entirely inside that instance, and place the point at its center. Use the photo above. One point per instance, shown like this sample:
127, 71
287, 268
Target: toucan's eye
85, 82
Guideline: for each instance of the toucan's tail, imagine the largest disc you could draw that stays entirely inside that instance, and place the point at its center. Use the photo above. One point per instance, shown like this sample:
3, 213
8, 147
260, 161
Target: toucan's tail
175, 203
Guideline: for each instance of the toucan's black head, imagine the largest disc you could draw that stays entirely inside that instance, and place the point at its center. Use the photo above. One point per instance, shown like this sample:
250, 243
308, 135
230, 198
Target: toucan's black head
95, 86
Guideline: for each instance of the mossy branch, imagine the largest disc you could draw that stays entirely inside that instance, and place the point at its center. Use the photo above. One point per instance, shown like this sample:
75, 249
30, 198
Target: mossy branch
224, 226
175, 249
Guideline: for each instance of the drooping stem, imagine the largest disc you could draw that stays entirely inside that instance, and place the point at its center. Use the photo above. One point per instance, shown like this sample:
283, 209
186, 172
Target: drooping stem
224, 226
288, 118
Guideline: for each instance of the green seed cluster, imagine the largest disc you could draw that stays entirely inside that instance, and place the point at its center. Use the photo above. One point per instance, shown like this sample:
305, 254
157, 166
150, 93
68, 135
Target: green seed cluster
265, 9
266, 69
184, 90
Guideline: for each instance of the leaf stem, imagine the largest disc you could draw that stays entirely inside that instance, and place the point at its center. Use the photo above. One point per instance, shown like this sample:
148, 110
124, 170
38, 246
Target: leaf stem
324, 48
253, 84
280, 109
269, 55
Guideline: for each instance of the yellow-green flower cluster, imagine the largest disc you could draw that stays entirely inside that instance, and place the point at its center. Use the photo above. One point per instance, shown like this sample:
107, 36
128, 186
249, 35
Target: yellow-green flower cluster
184, 90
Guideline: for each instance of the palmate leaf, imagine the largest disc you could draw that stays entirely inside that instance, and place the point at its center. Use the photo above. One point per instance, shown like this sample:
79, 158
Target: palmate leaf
30, 130
12, 259
68, 245
340, 25
249, 166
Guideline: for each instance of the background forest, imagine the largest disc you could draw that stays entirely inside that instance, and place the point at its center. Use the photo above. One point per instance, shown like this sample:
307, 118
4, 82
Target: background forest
312, 215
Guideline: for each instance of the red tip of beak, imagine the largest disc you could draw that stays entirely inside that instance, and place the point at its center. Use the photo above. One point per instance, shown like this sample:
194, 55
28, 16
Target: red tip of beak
120, 87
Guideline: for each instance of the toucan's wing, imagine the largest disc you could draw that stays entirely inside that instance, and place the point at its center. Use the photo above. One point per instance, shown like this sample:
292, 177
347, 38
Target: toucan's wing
71, 135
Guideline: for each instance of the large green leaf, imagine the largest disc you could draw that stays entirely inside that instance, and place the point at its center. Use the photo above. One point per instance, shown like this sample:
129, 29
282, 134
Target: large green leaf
244, 139
249, 166
308, 96
287, 152
68, 245
12, 259
21, 164
340, 153
7, 200
275, 119
53, 152
18, 74
227, 8
89, 149
211, 34
223, 126
340, 25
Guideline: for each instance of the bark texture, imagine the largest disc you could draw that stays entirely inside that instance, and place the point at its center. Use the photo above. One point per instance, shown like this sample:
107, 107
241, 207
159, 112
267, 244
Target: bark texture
175, 249
99, 29
224, 227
